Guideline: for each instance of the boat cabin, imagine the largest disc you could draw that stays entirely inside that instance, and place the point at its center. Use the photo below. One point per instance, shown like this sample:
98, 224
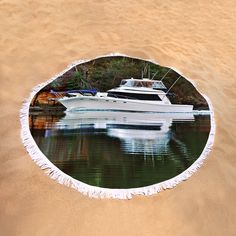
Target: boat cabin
138, 89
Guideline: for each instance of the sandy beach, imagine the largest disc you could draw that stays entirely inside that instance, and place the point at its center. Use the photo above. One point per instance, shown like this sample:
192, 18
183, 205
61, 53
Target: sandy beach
38, 40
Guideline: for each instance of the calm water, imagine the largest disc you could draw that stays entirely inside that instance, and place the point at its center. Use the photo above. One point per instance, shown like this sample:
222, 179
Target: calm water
120, 149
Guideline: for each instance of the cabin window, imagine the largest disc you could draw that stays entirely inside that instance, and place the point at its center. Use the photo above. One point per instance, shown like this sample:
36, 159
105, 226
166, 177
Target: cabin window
137, 84
127, 83
151, 97
123, 82
145, 84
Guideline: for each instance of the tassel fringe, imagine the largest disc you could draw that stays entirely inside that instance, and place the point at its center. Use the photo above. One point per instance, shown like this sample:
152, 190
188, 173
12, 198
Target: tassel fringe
97, 192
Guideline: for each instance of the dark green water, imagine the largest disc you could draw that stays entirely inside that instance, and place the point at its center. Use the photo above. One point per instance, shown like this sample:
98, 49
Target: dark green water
120, 150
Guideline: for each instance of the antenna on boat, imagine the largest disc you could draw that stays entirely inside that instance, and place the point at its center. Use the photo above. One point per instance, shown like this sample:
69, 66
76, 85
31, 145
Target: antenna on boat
165, 74
171, 86
154, 75
144, 71
149, 71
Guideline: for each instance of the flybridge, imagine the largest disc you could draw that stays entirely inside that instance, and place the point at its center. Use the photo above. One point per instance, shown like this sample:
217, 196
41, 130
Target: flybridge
143, 83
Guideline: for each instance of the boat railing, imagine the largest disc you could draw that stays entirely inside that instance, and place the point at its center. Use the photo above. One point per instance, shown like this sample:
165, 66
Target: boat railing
68, 93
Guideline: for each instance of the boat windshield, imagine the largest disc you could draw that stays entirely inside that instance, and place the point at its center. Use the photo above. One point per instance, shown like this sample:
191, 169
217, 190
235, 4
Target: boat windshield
142, 83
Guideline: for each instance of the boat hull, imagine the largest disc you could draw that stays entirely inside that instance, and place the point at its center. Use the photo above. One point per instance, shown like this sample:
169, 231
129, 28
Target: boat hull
117, 104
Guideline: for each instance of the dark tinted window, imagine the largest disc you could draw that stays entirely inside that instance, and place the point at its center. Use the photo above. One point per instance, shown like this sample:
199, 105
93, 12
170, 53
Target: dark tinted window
138, 96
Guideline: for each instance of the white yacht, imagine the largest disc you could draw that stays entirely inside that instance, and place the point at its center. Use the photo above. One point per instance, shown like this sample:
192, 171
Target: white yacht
143, 95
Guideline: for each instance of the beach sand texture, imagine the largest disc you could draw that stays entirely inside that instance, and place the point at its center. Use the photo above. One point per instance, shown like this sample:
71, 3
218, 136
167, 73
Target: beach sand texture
39, 38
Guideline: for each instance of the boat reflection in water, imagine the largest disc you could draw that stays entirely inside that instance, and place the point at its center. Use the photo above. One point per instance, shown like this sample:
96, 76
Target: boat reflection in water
121, 149
139, 133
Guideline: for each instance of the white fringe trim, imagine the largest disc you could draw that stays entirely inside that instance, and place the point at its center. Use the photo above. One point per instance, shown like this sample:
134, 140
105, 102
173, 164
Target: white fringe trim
97, 192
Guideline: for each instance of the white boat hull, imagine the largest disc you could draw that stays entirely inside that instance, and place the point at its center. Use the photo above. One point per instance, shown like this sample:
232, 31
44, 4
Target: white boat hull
118, 104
